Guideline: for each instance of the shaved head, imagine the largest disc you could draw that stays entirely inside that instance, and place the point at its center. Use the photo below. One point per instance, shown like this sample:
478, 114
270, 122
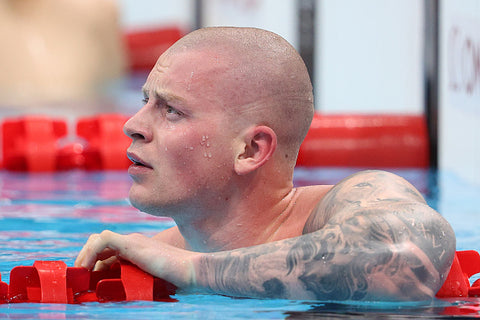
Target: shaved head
260, 79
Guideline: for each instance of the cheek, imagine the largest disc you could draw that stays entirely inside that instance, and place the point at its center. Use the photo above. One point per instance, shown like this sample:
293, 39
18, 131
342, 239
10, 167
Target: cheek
199, 155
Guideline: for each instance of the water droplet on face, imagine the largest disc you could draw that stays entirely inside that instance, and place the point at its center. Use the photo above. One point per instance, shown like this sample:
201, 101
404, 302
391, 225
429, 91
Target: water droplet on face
207, 155
205, 141
190, 81
166, 148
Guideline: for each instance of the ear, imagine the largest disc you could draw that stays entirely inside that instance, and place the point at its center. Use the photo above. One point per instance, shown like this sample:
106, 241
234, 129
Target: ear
258, 145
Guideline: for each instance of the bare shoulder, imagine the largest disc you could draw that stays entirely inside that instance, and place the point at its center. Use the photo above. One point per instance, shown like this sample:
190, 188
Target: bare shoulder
171, 236
388, 224
371, 204
364, 189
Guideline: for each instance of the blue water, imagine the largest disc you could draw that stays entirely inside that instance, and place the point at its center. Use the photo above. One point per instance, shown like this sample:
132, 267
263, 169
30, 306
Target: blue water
50, 216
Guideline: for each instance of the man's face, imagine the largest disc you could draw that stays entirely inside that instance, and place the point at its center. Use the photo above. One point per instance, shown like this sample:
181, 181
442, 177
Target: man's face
182, 137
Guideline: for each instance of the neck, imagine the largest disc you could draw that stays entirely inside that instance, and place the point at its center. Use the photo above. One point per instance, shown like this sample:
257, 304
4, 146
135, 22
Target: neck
243, 219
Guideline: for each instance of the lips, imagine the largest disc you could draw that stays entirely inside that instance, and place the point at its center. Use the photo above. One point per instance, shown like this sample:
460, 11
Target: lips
137, 161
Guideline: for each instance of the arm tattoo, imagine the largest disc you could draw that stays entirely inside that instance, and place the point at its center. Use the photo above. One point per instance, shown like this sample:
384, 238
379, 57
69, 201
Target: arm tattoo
364, 188
246, 272
382, 246
347, 262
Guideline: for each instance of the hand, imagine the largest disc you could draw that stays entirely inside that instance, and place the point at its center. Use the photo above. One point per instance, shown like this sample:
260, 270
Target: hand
157, 258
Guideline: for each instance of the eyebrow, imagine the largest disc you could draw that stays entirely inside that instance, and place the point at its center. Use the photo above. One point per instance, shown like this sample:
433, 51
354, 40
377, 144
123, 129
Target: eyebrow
165, 96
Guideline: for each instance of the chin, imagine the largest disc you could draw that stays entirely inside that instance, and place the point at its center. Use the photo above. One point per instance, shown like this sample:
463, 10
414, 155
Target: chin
138, 201
135, 203
146, 205
143, 206
157, 203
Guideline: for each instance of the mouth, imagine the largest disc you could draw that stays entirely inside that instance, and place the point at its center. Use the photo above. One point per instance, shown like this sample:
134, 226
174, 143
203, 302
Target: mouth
137, 161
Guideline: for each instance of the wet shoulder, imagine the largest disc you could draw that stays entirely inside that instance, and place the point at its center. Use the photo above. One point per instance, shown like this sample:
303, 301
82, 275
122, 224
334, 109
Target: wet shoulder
364, 189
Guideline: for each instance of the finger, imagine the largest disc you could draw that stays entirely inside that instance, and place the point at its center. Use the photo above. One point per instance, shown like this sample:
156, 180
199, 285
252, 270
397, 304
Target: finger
82, 255
102, 256
97, 247
105, 264
106, 253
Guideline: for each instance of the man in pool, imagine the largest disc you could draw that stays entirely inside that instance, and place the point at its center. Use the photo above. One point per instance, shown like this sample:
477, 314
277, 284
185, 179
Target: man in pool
214, 147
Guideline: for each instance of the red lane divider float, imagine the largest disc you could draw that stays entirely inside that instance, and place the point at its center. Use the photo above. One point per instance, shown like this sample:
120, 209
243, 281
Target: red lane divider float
381, 141
54, 282
107, 144
145, 46
385, 141
465, 264
32, 144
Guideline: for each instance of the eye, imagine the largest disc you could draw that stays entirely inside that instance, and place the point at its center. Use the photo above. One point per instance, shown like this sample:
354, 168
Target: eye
145, 100
172, 110
172, 113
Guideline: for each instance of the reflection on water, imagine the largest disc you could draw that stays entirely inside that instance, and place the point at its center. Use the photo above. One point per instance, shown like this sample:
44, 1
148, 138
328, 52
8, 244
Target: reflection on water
438, 309
73, 186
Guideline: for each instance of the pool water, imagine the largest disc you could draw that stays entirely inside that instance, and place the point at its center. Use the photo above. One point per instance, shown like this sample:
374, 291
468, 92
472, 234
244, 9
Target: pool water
50, 216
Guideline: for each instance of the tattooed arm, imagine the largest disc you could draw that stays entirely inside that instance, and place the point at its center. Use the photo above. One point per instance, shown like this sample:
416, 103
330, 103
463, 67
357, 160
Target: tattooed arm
371, 237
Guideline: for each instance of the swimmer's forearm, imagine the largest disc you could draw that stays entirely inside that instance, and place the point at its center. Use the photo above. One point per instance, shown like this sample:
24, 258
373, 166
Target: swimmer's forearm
402, 254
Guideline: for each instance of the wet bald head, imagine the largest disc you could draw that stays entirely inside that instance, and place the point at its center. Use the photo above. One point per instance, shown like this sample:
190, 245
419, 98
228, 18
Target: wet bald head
260, 78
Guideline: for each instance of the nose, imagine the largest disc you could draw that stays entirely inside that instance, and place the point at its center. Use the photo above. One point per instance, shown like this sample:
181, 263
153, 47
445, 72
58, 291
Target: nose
138, 127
